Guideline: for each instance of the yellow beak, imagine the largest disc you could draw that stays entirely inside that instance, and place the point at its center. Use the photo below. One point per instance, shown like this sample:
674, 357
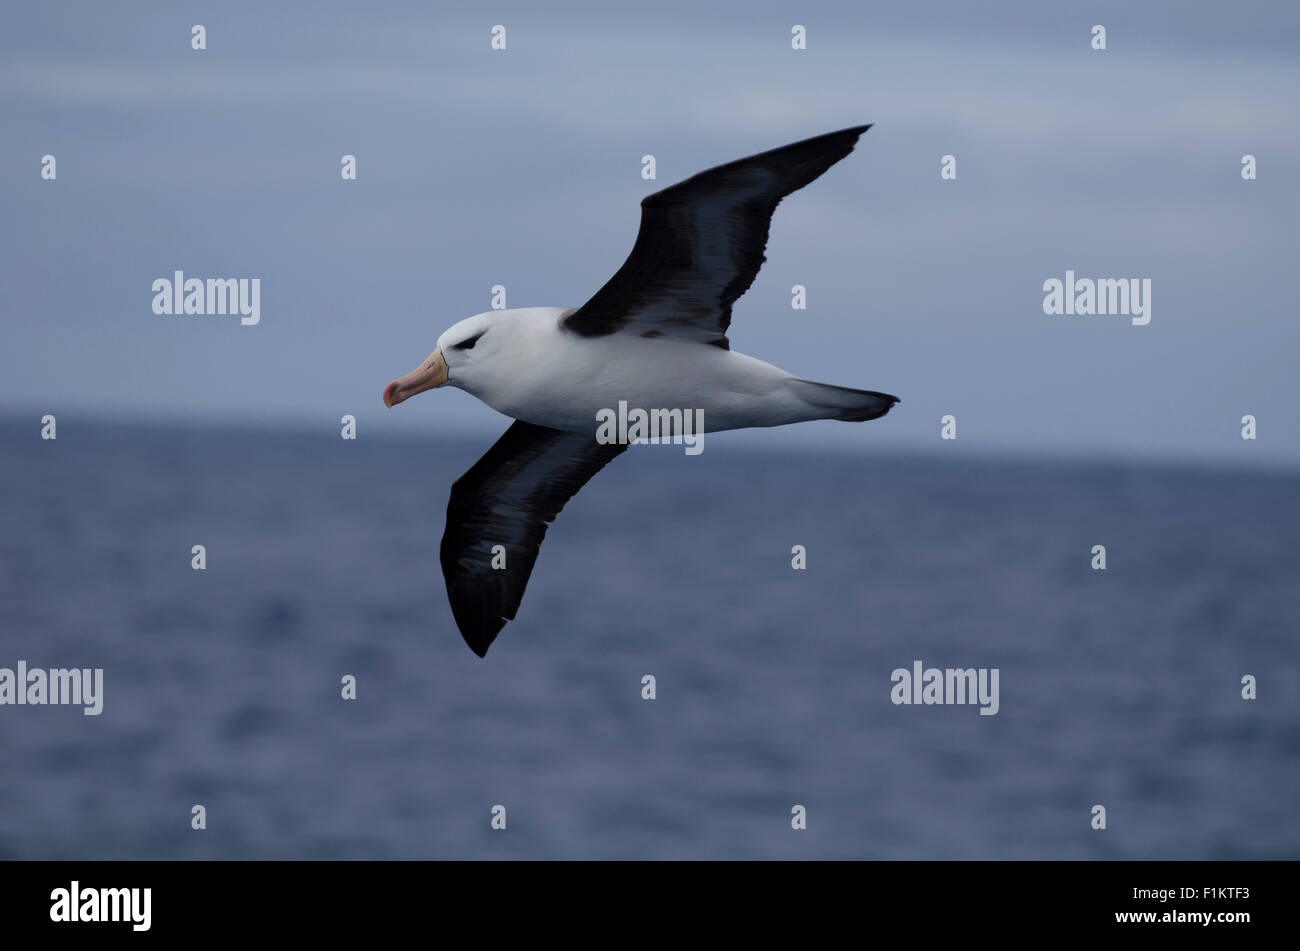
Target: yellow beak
431, 373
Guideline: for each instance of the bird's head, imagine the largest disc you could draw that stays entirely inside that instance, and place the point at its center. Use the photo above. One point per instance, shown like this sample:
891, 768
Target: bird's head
452, 361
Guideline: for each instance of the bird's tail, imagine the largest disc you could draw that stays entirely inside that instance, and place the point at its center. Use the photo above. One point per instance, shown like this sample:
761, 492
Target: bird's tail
843, 402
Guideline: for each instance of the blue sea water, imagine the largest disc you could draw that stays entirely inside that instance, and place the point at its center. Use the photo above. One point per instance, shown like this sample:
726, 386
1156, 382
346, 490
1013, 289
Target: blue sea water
222, 687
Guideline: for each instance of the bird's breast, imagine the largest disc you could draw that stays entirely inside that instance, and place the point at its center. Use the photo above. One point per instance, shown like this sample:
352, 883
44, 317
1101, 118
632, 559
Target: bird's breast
572, 383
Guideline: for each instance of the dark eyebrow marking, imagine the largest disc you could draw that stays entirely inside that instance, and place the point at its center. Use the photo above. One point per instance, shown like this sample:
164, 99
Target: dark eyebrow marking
468, 344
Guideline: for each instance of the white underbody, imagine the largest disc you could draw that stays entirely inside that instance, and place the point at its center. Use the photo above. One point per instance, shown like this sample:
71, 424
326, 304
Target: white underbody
526, 367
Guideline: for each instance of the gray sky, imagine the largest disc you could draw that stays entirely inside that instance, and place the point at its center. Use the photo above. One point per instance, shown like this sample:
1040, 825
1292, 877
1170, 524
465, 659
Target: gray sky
522, 168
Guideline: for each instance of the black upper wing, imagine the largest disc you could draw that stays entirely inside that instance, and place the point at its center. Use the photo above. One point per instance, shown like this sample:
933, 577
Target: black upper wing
701, 244
507, 498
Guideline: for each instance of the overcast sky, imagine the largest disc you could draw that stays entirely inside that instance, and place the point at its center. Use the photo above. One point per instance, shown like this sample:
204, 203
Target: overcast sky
523, 168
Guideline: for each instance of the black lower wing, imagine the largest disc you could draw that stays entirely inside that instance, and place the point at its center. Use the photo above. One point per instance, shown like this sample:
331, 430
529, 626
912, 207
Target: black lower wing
497, 518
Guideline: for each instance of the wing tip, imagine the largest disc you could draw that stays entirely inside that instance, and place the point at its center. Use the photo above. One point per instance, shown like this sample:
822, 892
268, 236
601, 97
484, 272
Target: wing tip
479, 637
854, 131
478, 619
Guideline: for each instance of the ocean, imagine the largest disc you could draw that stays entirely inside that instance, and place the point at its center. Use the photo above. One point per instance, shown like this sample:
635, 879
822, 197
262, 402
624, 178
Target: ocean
1119, 688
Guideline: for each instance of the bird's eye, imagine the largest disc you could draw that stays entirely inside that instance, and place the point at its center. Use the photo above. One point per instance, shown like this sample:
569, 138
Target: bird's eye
469, 344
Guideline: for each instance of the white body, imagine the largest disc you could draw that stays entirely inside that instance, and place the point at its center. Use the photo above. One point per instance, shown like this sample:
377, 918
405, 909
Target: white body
526, 367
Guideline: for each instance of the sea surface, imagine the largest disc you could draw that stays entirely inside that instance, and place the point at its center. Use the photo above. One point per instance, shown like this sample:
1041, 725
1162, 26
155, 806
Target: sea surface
222, 687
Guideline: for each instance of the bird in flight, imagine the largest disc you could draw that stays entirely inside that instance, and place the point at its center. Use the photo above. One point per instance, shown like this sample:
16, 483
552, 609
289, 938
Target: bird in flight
654, 336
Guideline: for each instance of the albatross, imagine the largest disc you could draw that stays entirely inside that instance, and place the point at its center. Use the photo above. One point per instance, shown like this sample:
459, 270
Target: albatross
654, 336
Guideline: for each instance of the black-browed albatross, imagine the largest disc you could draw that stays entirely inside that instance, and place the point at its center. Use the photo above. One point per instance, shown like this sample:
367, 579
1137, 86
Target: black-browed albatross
653, 336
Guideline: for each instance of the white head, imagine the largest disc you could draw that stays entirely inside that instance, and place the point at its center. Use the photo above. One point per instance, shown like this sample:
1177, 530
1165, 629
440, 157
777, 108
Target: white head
464, 355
